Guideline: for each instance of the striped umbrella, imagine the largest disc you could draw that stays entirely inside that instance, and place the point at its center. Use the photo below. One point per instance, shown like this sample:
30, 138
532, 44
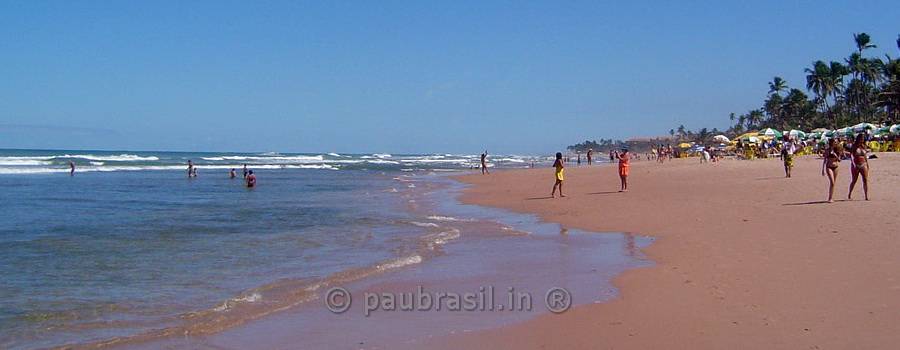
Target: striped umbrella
770, 133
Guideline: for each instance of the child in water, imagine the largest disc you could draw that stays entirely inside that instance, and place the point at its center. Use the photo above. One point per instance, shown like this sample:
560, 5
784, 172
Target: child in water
558, 164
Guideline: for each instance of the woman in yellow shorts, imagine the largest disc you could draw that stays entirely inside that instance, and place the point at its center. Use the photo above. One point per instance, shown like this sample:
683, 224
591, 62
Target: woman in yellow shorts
624, 167
558, 164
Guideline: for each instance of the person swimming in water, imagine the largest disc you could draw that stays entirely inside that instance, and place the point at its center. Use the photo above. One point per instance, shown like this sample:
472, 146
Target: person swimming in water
251, 179
558, 164
484, 169
860, 165
232, 174
624, 167
190, 168
245, 171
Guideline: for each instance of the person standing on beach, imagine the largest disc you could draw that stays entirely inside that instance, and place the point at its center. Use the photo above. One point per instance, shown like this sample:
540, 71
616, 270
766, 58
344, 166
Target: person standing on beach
590, 155
484, 169
579, 158
190, 168
251, 179
624, 167
830, 166
245, 171
558, 164
860, 165
788, 148
71, 168
232, 174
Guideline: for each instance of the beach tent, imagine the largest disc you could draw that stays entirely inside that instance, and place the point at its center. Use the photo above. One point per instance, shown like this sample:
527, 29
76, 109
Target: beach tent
769, 132
721, 138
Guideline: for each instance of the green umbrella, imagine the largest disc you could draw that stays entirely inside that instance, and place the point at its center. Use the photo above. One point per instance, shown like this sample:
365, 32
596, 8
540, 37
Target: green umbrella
884, 130
863, 127
770, 132
796, 134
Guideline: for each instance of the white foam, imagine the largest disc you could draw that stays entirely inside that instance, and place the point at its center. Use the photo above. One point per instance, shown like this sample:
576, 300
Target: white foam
400, 262
447, 218
23, 162
424, 224
119, 158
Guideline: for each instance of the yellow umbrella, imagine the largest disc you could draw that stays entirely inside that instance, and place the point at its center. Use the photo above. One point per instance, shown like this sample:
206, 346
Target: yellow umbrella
684, 145
747, 135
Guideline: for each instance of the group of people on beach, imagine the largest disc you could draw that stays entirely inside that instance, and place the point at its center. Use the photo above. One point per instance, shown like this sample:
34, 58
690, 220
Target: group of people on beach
624, 166
836, 151
249, 177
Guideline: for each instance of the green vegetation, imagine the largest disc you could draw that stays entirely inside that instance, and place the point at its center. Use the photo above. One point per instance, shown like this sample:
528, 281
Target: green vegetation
856, 89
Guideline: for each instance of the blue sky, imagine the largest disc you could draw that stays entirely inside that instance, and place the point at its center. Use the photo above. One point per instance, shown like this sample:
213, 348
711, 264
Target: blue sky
392, 76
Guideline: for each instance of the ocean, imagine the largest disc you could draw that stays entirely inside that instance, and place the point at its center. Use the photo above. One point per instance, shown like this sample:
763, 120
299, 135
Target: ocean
130, 247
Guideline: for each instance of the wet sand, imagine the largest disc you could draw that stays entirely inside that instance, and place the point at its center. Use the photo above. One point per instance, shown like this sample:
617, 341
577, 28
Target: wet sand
745, 258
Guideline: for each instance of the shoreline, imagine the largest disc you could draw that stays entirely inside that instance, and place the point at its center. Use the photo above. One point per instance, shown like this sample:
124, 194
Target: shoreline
471, 259
744, 257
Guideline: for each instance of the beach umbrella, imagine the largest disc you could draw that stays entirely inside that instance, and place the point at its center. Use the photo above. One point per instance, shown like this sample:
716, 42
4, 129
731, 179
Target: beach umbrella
796, 134
895, 129
863, 127
751, 139
721, 138
746, 135
821, 130
684, 145
848, 131
884, 130
769, 132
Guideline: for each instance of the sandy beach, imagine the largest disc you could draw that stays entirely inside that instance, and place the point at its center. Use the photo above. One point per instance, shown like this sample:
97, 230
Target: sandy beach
745, 258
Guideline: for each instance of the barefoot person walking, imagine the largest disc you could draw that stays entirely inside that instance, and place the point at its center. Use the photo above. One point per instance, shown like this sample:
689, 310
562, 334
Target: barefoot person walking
788, 148
484, 169
558, 164
860, 165
624, 167
830, 166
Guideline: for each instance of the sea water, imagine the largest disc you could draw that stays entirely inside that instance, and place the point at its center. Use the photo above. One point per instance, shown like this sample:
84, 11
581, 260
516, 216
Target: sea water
130, 246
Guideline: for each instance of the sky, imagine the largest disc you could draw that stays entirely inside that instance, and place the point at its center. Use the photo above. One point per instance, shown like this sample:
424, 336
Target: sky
520, 77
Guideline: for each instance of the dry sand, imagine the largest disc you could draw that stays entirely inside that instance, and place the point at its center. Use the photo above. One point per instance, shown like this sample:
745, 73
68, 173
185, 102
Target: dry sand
745, 258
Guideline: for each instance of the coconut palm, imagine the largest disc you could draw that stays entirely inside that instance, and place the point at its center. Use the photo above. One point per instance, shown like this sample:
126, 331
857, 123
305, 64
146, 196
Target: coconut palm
776, 85
863, 42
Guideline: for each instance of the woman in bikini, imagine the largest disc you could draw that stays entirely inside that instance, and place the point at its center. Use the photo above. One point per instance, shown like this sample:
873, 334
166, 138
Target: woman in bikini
558, 164
860, 165
830, 165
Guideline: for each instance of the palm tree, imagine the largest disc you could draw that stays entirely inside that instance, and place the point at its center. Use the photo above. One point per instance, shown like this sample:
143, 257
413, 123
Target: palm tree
776, 85
817, 81
862, 42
